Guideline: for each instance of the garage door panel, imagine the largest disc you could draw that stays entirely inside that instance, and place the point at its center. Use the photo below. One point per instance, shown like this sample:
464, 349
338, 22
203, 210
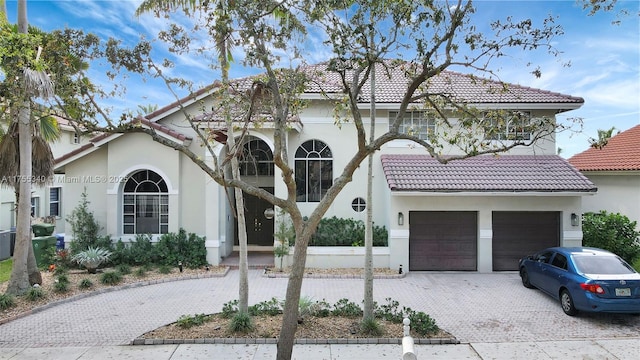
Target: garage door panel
442, 241
520, 233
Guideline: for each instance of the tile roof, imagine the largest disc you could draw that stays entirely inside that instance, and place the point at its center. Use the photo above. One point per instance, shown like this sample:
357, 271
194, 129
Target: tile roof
622, 153
391, 84
507, 173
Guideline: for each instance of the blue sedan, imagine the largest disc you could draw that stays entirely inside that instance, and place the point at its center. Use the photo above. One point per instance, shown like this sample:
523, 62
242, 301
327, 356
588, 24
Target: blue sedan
583, 279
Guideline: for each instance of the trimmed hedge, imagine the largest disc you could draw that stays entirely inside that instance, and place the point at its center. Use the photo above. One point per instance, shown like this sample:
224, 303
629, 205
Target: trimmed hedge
336, 231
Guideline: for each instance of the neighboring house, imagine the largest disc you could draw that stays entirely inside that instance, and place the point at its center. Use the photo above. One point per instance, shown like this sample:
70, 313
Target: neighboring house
46, 201
615, 170
479, 214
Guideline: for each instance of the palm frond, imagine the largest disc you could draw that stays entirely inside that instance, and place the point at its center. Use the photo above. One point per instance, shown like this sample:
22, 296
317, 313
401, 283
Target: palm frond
166, 5
42, 160
9, 160
48, 128
38, 83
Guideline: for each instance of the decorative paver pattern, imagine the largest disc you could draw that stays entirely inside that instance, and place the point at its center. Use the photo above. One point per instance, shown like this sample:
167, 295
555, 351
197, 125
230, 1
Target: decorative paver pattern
473, 307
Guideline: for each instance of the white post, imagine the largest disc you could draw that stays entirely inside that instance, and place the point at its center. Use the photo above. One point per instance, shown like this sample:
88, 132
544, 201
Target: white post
407, 341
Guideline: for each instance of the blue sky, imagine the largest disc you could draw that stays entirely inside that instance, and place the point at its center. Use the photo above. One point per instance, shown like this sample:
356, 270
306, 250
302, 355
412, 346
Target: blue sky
605, 58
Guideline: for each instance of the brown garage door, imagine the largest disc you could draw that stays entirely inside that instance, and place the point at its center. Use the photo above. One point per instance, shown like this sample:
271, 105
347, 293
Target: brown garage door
520, 233
443, 240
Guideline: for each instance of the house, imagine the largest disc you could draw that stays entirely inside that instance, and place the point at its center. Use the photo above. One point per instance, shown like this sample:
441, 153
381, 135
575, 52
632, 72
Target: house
46, 201
478, 214
615, 170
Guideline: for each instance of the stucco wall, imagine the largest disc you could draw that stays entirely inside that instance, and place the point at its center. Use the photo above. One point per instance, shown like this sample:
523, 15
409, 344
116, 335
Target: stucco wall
85, 175
399, 236
617, 193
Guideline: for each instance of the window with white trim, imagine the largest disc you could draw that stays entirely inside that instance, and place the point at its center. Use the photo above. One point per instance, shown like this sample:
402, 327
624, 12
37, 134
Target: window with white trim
420, 124
54, 201
507, 125
35, 207
145, 204
314, 171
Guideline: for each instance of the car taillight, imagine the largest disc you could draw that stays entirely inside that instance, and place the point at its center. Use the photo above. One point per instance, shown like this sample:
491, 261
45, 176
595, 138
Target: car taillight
594, 288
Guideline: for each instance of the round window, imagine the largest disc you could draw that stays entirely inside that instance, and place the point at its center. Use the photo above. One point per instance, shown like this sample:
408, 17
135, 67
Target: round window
358, 204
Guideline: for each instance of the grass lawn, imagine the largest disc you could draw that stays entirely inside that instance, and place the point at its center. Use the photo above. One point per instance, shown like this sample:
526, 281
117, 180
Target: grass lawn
5, 269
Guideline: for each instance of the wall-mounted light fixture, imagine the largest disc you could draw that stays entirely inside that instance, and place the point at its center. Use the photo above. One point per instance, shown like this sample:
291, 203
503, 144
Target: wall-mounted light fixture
574, 219
400, 218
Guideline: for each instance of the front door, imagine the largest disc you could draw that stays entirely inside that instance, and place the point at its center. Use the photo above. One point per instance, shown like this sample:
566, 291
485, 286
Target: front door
259, 228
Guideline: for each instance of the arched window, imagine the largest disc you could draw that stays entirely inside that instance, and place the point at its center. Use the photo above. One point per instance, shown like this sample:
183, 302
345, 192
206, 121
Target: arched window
145, 204
314, 171
257, 159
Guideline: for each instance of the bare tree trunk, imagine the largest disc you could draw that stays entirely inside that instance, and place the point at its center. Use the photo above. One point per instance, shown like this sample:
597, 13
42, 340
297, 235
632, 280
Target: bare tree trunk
19, 280
294, 286
368, 229
243, 284
25, 270
23, 24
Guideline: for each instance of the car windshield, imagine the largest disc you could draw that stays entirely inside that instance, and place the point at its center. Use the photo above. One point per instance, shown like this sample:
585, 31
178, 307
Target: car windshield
607, 265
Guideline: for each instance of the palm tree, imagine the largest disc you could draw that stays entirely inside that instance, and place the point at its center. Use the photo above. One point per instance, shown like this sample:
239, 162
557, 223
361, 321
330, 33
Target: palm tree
19, 163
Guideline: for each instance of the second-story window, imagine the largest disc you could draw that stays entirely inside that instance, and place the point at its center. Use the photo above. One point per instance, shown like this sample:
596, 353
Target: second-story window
507, 125
420, 124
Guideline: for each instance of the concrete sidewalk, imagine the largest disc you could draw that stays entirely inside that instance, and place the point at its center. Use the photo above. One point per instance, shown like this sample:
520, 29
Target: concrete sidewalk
586, 349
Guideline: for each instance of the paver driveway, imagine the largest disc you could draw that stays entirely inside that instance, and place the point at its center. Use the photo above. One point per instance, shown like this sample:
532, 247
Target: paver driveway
473, 307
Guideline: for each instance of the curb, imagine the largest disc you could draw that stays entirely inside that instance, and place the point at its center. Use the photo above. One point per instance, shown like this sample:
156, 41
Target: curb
246, 341
278, 275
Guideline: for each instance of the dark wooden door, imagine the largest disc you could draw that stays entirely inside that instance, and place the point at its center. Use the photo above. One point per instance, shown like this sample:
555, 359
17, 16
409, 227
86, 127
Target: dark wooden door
259, 228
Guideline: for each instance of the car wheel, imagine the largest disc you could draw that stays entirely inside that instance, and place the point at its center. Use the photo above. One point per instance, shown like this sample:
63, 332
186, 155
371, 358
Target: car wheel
524, 275
566, 301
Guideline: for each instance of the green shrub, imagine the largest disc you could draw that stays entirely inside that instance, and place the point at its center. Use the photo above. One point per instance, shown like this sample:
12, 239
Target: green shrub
85, 284
336, 231
346, 308
61, 286
422, 323
60, 271
84, 226
636, 264
321, 309
140, 272
390, 311
187, 321
7, 301
181, 247
164, 269
63, 279
612, 232
241, 323
270, 307
141, 251
48, 257
123, 269
111, 278
370, 326
229, 309
35, 293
